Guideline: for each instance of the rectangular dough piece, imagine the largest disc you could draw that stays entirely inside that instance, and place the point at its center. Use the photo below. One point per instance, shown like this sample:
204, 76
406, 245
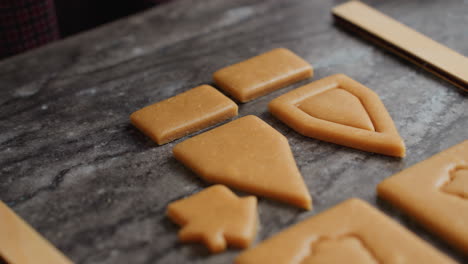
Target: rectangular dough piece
351, 232
435, 193
185, 113
21, 244
403, 41
262, 74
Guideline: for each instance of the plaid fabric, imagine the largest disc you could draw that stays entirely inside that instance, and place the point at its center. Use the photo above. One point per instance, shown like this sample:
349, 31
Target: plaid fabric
26, 24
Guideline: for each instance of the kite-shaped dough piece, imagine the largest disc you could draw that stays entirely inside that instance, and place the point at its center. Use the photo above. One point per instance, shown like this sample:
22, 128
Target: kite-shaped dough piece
340, 110
249, 155
216, 217
351, 232
21, 244
435, 193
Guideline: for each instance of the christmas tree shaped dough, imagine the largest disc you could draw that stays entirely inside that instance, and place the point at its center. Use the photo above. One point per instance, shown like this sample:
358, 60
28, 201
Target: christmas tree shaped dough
340, 110
216, 217
249, 155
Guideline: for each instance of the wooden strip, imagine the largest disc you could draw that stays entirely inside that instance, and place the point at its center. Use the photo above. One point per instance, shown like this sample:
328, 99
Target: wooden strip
403, 41
20, 243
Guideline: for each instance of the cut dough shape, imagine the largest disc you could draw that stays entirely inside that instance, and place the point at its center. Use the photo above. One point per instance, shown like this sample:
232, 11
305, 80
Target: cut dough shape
249, 155
351, 250
185, 113
318, 109
216, 217
432, 193
338, 106
355, 229
262, 74
21, 244
458, 183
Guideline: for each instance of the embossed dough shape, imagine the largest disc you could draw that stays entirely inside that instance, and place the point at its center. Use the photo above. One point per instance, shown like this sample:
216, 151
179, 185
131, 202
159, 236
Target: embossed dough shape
421, 191
351, 250
262, 74
367, 125
369, 235
458, 182
216, 217
183, 114
249, 155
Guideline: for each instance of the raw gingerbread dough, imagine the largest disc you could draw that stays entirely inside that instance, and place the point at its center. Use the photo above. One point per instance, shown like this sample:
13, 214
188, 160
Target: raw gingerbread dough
435, 193
458, 183
249, 155
21, 244
216, 217
352, 230
262, 74
350, 247
340, 110
183, 114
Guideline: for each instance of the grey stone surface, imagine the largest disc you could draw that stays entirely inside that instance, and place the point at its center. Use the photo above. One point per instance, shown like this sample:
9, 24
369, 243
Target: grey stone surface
73, 166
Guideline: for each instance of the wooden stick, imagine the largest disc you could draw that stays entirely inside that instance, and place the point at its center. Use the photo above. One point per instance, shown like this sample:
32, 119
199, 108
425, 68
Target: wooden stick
403, 41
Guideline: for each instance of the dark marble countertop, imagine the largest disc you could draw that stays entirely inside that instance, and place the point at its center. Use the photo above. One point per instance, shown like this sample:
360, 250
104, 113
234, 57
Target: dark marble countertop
74, 168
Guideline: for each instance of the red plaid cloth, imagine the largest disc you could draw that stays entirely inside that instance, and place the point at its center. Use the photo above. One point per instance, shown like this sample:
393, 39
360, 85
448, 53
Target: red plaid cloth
26, 24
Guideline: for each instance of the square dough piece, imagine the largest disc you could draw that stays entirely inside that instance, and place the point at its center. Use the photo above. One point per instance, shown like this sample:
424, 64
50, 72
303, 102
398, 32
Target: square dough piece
185, 113
434, 192
262, 74
351, 232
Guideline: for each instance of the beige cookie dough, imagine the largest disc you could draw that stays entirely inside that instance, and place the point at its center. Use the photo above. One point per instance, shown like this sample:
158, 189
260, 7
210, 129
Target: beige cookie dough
351, 232
249, 155
262, 74
185, 113
435, 193
216, 217
340, 110
21, 244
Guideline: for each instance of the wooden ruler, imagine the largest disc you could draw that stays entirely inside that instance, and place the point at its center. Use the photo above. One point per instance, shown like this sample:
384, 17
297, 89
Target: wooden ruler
403, 41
